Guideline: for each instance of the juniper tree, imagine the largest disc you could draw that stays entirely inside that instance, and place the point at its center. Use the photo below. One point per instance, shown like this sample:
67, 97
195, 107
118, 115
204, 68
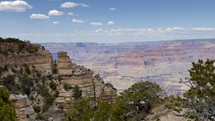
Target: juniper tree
201, 96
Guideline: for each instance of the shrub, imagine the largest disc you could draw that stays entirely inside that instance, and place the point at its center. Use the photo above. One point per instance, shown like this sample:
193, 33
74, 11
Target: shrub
65, 86
39, 117
50, 77
36, 108
45, 107
56, 94
7, 113
52, 85
27, 69
27, 84
1, 70
6, 66
9, 82
77, 93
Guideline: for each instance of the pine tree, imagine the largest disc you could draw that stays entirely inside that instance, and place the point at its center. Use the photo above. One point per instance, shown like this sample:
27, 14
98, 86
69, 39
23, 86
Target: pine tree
201, 96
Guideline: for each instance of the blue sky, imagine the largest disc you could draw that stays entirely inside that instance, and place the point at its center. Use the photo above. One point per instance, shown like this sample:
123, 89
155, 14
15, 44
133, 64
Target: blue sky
107, 21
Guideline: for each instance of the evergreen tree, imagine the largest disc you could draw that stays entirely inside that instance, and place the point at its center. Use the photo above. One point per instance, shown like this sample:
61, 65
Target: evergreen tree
7, 113
82, 111
77, 93
200, 98
135, 102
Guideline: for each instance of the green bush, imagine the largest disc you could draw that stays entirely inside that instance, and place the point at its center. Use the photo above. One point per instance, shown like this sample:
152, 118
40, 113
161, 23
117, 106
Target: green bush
65, 86
48, 98
1, 70
50, 76
7, 113
39, 117
56, 94
36, 108
27, 69
77, 93
26, 84
52, 85
45, 107
9, 82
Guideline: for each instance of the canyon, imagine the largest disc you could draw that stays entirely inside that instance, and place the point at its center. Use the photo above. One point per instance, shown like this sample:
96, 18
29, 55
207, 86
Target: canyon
123, 64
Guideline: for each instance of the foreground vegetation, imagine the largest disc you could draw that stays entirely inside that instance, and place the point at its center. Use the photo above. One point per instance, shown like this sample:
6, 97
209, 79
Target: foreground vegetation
133, 104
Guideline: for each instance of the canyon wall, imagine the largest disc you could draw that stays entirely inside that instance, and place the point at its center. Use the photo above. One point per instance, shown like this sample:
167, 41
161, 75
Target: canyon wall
34, 64
123, 64
90, 84
34, 55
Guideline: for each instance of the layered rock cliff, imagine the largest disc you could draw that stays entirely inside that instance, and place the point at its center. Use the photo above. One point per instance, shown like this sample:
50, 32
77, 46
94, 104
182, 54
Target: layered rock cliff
42, 89
123, 64
26, 53
90, 84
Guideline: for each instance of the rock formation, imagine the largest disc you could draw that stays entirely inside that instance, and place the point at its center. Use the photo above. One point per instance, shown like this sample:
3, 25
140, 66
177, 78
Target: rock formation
73, 74
33, 55
22, 106
31, 70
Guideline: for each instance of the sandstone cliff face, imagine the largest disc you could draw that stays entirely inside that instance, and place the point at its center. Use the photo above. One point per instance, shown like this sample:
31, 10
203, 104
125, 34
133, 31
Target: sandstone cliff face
33, 55
90, 85
23, 107
64, 65
31, 72
162, 114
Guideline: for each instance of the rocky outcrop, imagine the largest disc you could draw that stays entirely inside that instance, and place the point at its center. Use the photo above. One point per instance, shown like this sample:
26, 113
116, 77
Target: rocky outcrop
161, 113
29, 68
23, 107
34, 55
64, 65
91, 86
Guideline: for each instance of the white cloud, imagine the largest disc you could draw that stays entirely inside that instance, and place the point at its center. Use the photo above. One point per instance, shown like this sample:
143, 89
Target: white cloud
17, 6
96, 23
30, 34
175, 28
83, 5
69, 5
177, 31
79, 21
39, 16
124, 34
55, 13
112, 9
73, 5
56, 22
73, 14
203, 29
110, 23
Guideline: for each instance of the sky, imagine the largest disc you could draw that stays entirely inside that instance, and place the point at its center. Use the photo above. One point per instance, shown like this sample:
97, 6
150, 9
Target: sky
106, 21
